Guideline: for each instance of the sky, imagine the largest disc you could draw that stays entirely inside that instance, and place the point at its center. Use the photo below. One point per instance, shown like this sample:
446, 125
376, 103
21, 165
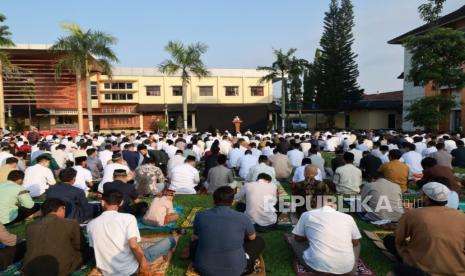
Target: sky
239, 33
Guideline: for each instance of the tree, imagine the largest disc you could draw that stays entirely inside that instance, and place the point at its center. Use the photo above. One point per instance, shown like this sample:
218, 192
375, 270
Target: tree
5, 41
296, 72
81, 51
312, 80
429, 112
185, 60
280, 69
338, 71
431, 10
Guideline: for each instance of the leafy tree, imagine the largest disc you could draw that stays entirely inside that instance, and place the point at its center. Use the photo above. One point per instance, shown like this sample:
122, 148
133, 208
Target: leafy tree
5, 41
81, 51
295, 80
280, 69
338, 71
431, 10
429, 112
185, 60
312, 79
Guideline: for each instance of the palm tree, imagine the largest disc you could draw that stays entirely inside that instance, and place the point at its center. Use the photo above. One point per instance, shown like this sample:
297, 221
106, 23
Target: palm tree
280, 69
185, 59
5, 41
80, 51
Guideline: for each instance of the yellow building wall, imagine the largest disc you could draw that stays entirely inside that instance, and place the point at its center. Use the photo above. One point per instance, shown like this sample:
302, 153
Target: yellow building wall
166, 83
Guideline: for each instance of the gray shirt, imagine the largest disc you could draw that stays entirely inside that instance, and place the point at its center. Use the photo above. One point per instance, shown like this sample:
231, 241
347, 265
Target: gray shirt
219, 176
383, 194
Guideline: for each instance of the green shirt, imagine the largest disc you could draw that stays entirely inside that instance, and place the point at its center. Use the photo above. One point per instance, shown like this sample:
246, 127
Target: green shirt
12, 195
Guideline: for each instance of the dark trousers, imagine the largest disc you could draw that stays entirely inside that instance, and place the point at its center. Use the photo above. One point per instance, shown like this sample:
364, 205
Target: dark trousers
138, 209
252, 248
24, 213
390, 244
11, 254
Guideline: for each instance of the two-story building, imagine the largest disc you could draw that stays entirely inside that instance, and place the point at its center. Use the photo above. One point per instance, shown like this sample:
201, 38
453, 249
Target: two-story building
413, 91
133, 98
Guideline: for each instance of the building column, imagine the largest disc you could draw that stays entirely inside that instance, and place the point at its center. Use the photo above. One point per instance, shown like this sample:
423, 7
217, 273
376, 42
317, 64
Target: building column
193, 121
141, 122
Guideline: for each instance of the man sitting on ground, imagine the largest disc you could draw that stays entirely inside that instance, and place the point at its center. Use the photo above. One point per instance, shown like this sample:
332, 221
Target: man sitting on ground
10, 165
348, 178
327, 241
260, 196
54, 244
161, 211
185, 177
431, 238
118, 163
39, 177
369, 165
115, 236
131, 202
235, 255
219, 175
15, 202
458, 155
395, 171
246, 162
149, 178
75, 198
432, 170
384, 199
13, 248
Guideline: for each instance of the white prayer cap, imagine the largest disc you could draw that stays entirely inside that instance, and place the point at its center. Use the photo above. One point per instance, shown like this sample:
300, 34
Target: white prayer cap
436, 191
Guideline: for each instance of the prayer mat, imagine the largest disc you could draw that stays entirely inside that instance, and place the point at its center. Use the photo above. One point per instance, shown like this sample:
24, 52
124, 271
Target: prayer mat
362, 268
178, 210
462, 206
377, 238
154, 270
189, 221
259, 268
287, 219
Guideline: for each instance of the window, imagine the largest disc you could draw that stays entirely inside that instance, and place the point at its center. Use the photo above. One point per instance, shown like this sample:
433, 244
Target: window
152, 90
177, 90
118, 85
122, 97
107, 96
256, 91
93, 90
206, 91
129, 96
232, 91
119, 97
114, 97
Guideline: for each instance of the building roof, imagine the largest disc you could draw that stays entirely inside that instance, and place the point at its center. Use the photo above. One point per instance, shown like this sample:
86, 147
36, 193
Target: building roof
386, 96
446, 20
154, 72
383, 101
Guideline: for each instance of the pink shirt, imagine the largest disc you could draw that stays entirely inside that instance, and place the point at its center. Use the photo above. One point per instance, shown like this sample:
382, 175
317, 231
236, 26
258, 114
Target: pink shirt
160, 207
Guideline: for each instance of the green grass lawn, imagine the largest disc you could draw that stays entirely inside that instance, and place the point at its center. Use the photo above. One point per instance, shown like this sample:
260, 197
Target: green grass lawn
278, 257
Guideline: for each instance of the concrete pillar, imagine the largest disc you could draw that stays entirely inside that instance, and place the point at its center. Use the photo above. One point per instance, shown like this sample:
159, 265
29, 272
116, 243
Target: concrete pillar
141, 122
193, 121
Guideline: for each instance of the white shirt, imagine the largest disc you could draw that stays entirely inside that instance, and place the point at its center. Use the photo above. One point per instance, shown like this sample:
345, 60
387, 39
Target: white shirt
413, 160
82, 177
170, 150
358, 155
225, 147
105, 156
319, 162
256, 152
37, 178
295, 156
174, 162
260, 197
330, 234
233, 156
420, 147
108, 173
306, 146
3, 156
348, 179
184, 178
245, 163
267, 151
331, 144
453, 200
108, 235
428, 151
299, 174
258, 169
60, 157
450, 145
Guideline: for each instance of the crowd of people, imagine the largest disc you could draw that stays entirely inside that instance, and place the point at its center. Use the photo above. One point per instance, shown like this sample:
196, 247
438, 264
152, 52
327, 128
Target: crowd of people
84, 196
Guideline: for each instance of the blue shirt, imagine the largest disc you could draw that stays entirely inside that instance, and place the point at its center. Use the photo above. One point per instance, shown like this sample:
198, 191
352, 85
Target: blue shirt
221, 232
